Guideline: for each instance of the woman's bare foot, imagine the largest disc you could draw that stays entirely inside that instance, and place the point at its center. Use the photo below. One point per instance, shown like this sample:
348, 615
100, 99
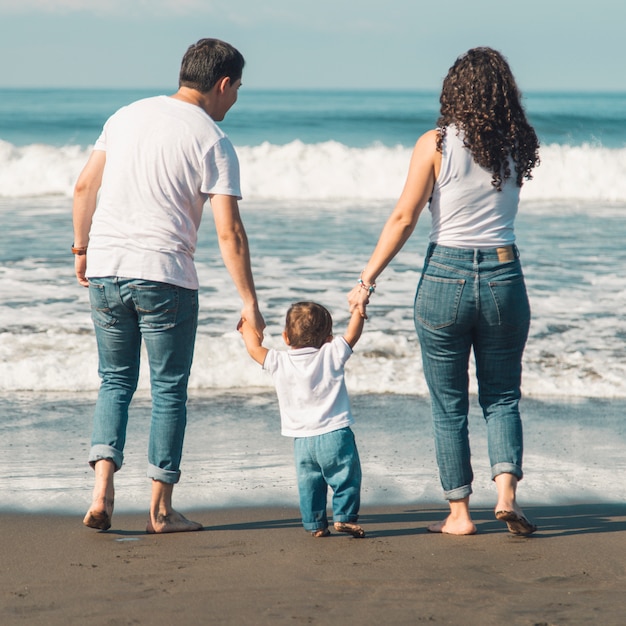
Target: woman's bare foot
451, 526
175, 522
459, 522
348, 527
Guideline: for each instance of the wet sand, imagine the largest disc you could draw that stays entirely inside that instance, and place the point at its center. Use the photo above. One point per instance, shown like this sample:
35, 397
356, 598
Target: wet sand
258, 566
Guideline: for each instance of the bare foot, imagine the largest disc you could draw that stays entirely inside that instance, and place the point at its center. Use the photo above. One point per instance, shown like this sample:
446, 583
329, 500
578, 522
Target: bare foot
321, 532
348, 527
453, 527
99, 514
175, 522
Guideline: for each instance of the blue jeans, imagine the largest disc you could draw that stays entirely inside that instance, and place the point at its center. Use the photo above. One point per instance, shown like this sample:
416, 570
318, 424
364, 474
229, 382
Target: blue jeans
125, 311
323, 460
469, 299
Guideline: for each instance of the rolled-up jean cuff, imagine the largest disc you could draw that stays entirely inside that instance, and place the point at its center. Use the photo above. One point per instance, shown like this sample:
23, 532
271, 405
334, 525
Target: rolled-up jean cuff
507, 468
350, 519
162, 475
102, 452
459, 493
313, 526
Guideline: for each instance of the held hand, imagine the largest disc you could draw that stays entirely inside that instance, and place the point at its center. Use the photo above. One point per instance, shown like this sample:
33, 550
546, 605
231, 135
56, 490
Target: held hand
358, 299
252, 340
253, 317
247, 333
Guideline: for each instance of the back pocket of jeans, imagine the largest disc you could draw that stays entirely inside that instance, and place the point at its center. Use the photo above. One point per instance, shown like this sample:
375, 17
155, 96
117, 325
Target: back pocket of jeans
511, 300
156, 304
100, 312
437, 301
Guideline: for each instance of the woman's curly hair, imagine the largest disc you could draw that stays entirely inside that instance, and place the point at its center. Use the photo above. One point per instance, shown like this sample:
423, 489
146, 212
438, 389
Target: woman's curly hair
480, 97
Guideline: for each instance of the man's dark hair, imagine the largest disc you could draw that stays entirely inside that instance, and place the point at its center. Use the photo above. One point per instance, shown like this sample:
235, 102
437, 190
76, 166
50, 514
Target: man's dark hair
208, 60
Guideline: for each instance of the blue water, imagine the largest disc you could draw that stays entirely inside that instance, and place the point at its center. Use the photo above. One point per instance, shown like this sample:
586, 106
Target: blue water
575, 119
320, 173
355, 118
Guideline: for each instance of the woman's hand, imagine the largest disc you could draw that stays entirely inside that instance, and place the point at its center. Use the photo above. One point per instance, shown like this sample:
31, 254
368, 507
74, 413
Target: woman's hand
358, 299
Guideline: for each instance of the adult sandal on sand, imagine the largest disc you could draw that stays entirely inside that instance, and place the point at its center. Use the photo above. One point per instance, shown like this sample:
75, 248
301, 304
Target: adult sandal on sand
351, 529
517, 523
175, 522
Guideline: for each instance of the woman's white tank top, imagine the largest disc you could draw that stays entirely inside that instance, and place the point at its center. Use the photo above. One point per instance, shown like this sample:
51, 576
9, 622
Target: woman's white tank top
467, 210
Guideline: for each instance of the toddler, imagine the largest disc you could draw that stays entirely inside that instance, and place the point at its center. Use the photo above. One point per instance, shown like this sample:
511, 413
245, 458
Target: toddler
315, 411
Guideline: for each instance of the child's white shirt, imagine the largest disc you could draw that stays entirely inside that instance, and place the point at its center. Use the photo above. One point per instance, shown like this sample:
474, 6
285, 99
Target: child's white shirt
311, 389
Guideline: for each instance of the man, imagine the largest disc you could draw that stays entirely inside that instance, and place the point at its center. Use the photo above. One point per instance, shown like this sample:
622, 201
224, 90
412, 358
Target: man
153, 167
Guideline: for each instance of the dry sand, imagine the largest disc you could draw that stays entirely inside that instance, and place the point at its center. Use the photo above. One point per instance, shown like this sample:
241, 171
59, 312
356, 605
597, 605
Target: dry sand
258, 566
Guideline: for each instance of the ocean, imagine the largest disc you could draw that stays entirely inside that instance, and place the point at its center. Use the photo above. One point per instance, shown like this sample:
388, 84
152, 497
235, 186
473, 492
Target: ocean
320, 173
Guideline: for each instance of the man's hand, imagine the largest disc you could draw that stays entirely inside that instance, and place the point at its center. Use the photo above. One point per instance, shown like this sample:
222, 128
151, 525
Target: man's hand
80, 267
253, 317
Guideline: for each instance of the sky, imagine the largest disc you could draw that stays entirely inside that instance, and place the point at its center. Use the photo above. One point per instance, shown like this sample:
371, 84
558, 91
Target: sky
554, 45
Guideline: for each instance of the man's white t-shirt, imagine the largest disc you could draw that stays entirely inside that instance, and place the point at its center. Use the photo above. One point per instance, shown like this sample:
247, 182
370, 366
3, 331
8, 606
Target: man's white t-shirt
163, 159
311, 389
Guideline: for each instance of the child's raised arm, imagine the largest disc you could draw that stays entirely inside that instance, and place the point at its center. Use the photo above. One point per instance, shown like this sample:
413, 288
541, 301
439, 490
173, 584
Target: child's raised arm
355, 328
252, 341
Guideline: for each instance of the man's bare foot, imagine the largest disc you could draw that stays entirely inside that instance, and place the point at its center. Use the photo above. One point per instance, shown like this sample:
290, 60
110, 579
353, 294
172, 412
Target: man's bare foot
99, 514
102, 498
453, 527
175, 522
348, 527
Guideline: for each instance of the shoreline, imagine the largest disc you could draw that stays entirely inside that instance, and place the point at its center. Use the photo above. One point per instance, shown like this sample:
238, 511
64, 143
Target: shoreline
258, 566
234, 454
255, 565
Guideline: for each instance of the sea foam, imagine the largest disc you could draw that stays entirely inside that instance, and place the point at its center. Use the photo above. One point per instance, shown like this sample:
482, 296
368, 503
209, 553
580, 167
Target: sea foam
329, 170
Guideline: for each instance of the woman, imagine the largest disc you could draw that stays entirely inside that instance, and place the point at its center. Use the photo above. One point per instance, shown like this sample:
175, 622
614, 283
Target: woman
471, 294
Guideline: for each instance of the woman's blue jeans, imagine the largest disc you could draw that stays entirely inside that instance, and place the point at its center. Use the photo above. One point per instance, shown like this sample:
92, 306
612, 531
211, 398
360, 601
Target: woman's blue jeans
470, 299
125, 312
323, 460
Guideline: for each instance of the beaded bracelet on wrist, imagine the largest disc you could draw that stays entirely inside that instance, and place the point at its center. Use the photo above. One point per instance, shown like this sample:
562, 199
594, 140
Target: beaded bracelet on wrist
369, 288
